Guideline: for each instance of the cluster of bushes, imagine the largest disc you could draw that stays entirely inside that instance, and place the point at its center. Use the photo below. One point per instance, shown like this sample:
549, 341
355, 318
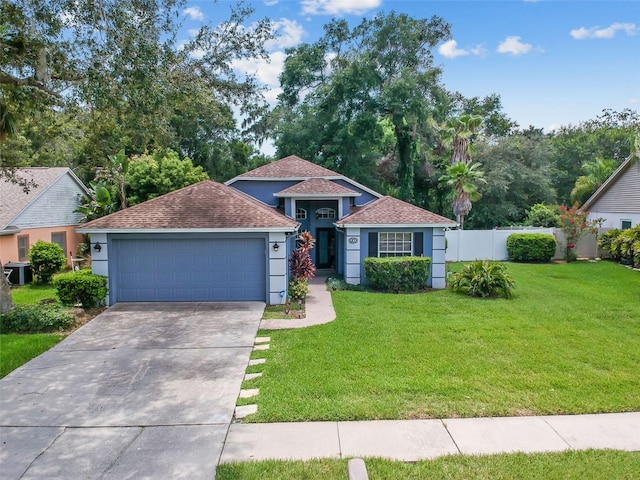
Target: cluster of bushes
622, 245
397, 274
82, 287
531, 247
35, 319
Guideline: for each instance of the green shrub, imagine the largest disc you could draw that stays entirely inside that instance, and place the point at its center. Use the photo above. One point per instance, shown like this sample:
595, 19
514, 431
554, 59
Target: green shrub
622, 246
531, 247
605, 239
483, 279
337, 283
542, 216
298, 289
36, 318
397, 274
46, 259
81, 287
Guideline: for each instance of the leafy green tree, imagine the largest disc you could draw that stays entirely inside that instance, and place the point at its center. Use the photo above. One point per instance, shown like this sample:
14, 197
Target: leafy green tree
46, 259
150, 176
595, 174
337, 92
465, 179
543, 216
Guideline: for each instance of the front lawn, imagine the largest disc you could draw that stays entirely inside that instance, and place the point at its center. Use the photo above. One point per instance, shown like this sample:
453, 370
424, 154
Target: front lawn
570, 465
33, 293
17, 349
568, 342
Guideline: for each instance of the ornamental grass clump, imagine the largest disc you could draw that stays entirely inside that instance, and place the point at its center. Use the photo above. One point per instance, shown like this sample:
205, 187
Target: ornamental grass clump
483, 279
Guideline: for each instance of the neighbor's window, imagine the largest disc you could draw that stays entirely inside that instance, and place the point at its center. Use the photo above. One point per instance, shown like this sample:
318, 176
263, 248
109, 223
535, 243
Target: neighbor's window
61, 239
301, 214
395, 244
23, 248
624, 224
325, 213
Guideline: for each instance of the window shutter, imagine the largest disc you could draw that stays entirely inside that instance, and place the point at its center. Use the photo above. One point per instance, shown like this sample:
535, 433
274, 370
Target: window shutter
418, 244
373, 244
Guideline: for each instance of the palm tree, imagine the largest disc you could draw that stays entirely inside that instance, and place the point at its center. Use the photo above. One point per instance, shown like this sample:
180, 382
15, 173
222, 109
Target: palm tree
596, 173
458, 132
465, 179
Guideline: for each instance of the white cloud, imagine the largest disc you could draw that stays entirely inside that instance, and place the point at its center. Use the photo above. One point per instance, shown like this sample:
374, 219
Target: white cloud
268, 72
450, 49
513, 46
338, 7
634, 100
271, 3
288, 33
608, 32
194, 13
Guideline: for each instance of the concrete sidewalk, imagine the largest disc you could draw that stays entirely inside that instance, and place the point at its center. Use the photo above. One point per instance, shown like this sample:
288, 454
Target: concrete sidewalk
412, 440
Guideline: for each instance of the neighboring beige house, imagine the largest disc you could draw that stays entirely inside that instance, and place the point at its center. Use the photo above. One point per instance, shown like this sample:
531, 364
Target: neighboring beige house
618, 198
45, 212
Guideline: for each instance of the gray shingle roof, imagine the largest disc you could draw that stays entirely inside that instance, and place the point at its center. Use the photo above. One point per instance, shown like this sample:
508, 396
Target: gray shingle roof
290, 167
204, 205
317, 186
392, 211
13, 198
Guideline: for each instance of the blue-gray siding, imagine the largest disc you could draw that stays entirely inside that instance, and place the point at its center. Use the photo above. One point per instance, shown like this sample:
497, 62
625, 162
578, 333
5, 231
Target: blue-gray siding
623, 196
188, 269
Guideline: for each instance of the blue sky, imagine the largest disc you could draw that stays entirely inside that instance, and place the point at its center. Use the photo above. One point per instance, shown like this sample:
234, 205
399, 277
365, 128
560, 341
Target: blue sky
552, 62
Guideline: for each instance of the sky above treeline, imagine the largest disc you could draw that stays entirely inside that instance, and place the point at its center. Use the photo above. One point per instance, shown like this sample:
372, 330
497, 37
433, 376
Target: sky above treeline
552, 62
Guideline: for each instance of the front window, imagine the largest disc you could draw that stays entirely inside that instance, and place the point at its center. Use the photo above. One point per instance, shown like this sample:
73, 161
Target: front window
325, 213
625, 224
395, 244
23, 248
301, 214
61, 239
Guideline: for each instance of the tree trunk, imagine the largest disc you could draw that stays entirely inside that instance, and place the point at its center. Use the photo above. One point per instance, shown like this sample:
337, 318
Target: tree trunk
6, 303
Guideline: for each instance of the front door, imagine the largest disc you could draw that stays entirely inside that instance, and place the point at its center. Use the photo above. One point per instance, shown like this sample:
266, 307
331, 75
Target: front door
325, 247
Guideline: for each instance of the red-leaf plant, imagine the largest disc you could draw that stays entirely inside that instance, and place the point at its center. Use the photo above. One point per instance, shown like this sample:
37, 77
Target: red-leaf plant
300, 263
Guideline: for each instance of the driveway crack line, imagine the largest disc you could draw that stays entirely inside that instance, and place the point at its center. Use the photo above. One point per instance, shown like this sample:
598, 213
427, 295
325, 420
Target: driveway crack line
444, 424
122, 452
64, 429
557, 433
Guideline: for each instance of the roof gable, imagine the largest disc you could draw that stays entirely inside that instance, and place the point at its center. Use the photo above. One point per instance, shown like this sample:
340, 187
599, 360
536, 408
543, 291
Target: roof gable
392, 211
290, 167
620, 192
206, 205
319, 187
14, 200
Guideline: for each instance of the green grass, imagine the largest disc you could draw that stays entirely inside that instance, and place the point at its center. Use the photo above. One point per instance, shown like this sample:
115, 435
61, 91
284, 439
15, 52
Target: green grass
31, 294
16, 349
568, 342
570, 465
278, 312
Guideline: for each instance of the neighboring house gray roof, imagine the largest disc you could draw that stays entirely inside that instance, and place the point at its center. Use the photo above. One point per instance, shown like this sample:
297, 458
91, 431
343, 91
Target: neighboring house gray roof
14, 200
620, 193
316, 187
393, 212
204, 206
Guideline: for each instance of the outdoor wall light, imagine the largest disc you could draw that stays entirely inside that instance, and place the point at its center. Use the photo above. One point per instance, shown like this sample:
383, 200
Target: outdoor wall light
97, 247
276, 247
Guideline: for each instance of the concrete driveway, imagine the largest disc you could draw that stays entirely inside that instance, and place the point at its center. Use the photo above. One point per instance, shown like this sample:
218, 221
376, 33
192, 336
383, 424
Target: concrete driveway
141, 391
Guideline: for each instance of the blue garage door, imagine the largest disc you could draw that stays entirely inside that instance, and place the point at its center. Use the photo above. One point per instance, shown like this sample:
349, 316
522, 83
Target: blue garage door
189, 270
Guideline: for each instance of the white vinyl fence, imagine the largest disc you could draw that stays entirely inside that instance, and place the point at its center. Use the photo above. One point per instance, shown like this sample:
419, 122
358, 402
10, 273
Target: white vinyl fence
466, 245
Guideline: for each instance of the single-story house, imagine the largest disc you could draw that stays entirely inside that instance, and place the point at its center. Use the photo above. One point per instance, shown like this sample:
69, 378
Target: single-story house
214, 242
44, 212
618, 198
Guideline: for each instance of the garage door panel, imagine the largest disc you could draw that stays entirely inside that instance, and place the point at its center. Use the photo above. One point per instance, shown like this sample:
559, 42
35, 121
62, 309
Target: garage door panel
190, 270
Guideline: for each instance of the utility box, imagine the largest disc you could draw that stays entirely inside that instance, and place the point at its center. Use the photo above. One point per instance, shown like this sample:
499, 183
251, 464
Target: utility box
21, 273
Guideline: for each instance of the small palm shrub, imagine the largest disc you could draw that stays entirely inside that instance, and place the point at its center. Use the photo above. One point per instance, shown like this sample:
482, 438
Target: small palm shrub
605, 239
46, 259
483, 279
622, 246
531, 247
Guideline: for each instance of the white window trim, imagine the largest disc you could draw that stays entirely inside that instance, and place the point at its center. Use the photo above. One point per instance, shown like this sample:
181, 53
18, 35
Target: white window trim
396, 252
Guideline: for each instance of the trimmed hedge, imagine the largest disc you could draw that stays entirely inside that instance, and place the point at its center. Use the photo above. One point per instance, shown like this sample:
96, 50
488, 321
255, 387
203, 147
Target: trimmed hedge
36, 318
81, 287
397, 274
531, 247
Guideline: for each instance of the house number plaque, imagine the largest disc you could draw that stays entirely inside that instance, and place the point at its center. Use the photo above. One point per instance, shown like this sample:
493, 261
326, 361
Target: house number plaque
353, 239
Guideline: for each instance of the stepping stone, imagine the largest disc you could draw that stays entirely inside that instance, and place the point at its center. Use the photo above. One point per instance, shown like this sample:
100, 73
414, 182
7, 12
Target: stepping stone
251, 376
246, 410
257, 361
261, 347
262, 339
249, 392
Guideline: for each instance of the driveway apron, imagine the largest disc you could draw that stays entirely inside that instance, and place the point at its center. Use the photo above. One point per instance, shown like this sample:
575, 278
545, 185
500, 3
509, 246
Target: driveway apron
141, 391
